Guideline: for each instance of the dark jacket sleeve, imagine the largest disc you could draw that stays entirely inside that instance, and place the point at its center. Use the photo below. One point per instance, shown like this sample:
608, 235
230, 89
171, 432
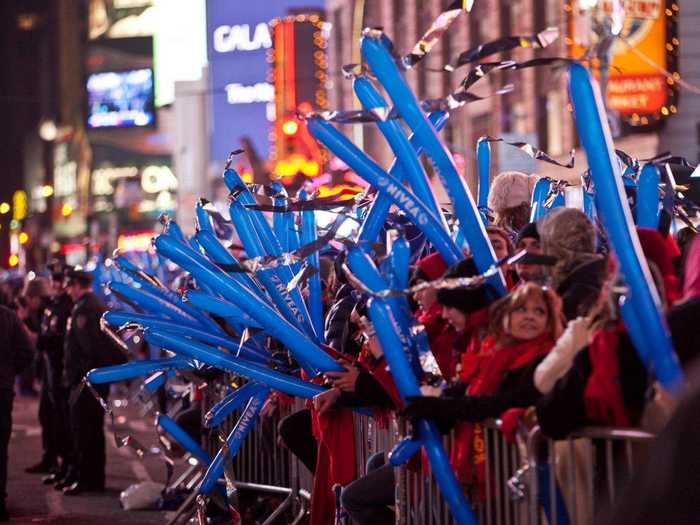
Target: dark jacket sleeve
517, 391
368, 392
562, 410
22, 351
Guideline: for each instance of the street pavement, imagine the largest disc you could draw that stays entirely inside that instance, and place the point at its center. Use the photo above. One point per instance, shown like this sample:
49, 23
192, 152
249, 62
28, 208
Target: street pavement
30, 502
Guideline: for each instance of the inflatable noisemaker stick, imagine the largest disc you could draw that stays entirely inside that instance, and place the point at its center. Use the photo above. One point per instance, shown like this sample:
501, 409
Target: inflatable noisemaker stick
270, 244
230, 403
397, 347
112, 374
235, 365
154, 304
173, 298
309, 234
376, 216
220, 255
300, 345
483, 160
220, 307
647, 209
386, 184
641, 310
375, 49
244, 425
411, 169
176, 432
306, 352
272, 279
124, 319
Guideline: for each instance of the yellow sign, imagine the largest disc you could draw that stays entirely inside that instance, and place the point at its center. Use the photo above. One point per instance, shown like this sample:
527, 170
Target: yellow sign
19, 205
643, 52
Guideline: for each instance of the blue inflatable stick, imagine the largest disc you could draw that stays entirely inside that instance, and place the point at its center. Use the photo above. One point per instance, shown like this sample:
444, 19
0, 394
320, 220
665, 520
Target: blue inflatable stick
406, 156
388, 185
183, 438
154, 304
231, 402
244, 425
483, 160
612, 207
216, 358
305, 350
112, 374
146, 321
309, 234
219, 307
375, 218
376, 50
647, 209
397, 351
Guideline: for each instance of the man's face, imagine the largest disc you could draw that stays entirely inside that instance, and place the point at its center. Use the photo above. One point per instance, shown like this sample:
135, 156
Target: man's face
530, 272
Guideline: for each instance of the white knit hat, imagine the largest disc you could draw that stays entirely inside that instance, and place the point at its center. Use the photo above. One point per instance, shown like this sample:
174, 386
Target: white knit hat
510, 189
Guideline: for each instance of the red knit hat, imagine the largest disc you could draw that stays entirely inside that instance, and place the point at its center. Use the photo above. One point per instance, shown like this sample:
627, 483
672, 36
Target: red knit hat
661, 252
430, 267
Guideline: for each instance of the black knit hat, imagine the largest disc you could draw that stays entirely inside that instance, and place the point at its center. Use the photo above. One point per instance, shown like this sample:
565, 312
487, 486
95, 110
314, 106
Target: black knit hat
466, 300
529, 231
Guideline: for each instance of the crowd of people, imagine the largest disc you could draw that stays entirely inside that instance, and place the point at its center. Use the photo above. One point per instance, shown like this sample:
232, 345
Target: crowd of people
51, 336
553, 352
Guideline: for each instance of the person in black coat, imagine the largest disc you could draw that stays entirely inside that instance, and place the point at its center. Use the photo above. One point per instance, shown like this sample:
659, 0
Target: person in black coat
86, 347
50, 346
16, 354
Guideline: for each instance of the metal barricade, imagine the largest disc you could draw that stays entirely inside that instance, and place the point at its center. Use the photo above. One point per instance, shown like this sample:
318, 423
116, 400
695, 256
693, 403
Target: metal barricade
532, 481
578, 477
424, 504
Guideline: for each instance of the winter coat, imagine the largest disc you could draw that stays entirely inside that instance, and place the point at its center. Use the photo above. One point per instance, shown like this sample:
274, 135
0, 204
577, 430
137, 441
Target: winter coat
563, 410
16, 351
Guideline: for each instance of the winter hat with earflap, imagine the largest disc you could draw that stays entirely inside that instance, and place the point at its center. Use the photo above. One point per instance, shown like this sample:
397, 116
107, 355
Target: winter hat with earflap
466, 300
429, 268
510, 189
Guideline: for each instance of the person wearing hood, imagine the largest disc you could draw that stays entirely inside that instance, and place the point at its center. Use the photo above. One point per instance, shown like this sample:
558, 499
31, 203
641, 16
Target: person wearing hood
578, 273
509, 199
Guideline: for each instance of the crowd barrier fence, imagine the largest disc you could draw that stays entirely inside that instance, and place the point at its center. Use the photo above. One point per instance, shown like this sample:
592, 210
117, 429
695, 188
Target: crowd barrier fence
531, 481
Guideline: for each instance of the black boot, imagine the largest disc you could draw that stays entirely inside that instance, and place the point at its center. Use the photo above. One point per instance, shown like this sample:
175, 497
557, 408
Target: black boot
70, 477
43, 467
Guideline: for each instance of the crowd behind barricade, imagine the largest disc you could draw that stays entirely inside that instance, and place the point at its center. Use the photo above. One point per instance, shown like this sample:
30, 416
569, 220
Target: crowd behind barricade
553, 354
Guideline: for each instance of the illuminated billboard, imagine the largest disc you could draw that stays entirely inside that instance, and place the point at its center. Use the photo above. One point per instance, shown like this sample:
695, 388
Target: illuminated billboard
242, 94
642, 76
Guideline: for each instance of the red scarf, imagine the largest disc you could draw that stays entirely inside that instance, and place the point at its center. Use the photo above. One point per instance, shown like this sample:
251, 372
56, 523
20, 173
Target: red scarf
484, 371
603, 394
335, 461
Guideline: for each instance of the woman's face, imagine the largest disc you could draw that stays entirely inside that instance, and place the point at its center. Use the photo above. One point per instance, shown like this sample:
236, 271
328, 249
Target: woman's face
500, 247
529, 320
426, 298
456, 318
